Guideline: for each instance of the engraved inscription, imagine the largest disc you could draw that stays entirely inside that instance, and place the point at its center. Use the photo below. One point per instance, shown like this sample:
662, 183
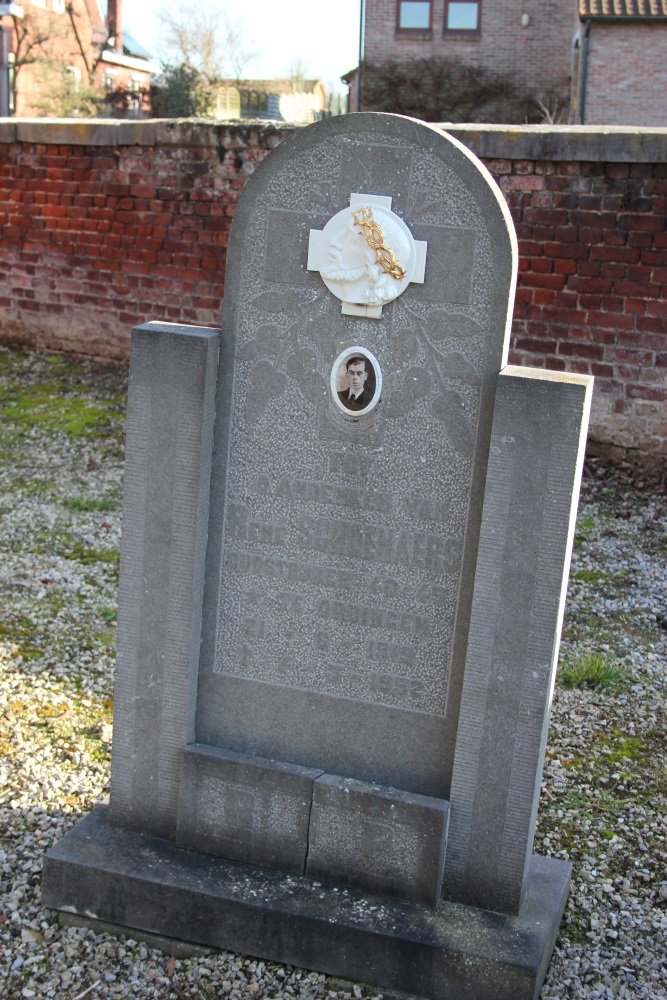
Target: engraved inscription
345, 463
292, 570
373, 617
236, 811
374, 649
396, 685
335, 537
393, 652
246, 529
379, 645
427, 510
255, 628
419, 549
325, 493
343, 839
377, 838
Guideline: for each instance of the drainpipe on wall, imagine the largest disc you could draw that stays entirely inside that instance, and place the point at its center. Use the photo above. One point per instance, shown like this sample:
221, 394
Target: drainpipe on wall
4, 75
362, 6
584, 70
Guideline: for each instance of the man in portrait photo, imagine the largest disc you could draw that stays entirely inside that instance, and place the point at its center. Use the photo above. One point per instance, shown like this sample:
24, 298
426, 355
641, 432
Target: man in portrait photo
358, 394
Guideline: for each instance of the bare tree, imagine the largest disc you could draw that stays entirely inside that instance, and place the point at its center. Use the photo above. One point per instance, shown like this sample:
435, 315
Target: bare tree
42, 40
239, 50
206, 40
91, 65
31, 43
297, 72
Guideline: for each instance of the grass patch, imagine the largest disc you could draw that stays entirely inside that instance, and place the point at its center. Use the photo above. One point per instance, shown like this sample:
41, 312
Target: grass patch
88, 504
23, 638
573, 926
9, 362
593, 671
34, 487
87, 554
67, 727
47, 406
589, 576
71, 547
586, 525
66, 366
106, 639
619, 747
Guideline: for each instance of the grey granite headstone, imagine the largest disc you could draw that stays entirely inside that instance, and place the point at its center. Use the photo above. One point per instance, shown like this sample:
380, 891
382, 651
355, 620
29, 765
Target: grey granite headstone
340, 606
342, 551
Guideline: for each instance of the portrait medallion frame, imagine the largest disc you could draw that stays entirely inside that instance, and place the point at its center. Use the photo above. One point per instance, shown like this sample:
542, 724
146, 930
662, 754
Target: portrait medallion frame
338, 381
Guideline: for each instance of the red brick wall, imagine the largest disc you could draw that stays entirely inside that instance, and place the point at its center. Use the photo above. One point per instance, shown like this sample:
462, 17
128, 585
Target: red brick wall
98, 238
539, 55
104, 226
592, 289
627, 75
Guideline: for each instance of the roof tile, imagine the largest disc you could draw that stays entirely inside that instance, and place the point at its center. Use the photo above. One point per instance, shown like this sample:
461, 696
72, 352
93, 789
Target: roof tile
620, 10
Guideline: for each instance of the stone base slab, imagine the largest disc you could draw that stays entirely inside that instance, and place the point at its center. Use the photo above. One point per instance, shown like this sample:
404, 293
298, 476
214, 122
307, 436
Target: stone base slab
453, 951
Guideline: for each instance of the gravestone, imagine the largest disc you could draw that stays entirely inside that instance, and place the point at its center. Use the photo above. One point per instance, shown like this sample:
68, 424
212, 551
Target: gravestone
346, 535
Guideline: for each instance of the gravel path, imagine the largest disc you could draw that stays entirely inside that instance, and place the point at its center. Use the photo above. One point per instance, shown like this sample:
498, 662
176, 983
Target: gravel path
605, 780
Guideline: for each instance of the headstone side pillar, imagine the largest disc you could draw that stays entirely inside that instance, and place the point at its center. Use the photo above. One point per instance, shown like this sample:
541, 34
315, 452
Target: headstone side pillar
532, 488
171, 411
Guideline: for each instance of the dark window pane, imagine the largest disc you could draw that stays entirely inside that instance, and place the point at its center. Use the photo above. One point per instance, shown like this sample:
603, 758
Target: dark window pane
462, 16
415, 14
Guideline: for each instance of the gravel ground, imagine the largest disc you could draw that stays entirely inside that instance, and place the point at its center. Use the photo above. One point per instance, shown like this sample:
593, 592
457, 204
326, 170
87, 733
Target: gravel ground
605, 779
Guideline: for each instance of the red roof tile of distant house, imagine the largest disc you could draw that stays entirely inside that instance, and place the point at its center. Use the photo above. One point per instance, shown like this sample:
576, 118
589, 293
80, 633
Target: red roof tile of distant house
622, 10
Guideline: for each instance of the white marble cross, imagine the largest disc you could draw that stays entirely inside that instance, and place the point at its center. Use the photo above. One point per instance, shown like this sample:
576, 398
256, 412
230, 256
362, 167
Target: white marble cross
366, 255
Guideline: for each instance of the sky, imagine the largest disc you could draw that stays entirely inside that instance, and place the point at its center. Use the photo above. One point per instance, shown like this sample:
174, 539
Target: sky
324, 36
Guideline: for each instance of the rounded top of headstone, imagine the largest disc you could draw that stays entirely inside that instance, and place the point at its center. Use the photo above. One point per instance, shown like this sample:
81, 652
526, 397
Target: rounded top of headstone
374, 127
425, 176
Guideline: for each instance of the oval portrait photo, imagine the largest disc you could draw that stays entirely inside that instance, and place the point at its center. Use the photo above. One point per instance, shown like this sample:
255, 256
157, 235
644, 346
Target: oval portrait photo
356, 381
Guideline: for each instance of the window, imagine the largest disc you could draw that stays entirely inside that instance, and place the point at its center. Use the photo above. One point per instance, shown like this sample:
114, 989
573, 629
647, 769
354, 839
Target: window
463, 16
254, 103
73, 77
414, 16
58, 6
134, 93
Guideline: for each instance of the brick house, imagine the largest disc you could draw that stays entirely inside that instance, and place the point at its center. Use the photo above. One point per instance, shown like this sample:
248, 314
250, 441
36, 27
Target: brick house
588, 61
532, 40
620, 74
49, 47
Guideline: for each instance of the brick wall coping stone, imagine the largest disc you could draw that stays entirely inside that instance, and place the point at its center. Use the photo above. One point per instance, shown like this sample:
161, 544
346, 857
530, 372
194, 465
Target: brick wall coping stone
593, 143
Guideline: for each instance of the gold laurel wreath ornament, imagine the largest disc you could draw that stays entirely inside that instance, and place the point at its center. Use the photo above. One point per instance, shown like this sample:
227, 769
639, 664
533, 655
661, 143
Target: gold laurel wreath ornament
373, 235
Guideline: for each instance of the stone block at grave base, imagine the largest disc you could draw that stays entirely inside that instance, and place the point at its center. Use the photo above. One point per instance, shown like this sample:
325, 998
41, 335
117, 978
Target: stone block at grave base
147, 884
378, 839
245, 808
